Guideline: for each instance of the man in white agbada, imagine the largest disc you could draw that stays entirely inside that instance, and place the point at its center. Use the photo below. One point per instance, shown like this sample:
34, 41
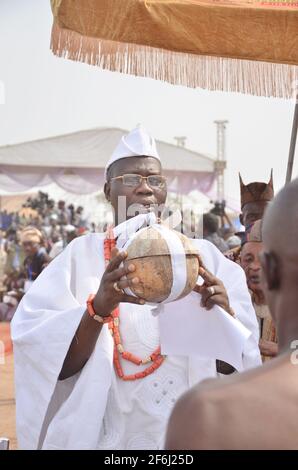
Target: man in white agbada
68, 395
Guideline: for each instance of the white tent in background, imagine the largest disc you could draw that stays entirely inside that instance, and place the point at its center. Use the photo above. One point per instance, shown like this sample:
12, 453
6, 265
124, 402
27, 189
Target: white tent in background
76, 163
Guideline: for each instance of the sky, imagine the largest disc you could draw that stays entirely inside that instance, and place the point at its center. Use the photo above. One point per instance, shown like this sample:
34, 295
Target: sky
47, 96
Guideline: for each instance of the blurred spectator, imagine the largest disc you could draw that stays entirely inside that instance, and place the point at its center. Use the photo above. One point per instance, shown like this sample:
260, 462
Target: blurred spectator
6, 220
3, 254
228, 234
78, 218
37, 258
9, 305
64, 214
233, 242
15, 280
15, 253
58, 247
210, 232
72, 214
52, 230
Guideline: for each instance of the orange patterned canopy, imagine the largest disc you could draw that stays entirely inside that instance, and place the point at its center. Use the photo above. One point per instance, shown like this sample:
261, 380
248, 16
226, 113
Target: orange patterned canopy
189, 42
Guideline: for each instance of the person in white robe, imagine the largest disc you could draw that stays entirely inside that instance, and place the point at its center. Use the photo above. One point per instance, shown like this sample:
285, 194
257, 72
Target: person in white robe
68, 395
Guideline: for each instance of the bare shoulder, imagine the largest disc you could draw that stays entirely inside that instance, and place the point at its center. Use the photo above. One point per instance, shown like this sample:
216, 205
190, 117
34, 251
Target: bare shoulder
195, 421
193, 417
233, 412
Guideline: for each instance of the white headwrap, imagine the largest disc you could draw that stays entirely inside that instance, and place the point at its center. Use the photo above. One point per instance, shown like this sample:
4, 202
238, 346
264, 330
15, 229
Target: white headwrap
135, 144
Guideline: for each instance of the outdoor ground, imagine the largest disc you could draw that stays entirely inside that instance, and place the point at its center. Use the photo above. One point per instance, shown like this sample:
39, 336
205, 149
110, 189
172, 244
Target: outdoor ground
7, 397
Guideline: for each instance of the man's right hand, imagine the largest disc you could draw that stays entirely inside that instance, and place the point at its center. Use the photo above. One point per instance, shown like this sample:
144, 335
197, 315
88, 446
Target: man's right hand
107, 297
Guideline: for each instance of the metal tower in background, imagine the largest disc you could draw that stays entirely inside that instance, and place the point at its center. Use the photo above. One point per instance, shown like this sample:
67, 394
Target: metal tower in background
180, 141
221, 163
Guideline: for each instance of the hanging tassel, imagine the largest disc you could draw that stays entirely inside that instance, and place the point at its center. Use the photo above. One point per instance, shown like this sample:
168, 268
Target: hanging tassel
194, 71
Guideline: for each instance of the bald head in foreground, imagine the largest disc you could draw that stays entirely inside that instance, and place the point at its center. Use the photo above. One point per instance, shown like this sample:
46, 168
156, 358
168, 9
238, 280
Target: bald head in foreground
257, 409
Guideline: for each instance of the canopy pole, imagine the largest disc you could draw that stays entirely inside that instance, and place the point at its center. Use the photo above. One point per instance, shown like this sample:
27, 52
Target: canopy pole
293, 143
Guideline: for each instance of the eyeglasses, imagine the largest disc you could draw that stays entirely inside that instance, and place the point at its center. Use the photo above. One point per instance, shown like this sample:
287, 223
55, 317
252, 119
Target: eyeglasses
154, 181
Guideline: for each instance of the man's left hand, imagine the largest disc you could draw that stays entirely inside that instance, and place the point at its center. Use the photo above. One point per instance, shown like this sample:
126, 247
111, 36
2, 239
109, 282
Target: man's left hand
213, 292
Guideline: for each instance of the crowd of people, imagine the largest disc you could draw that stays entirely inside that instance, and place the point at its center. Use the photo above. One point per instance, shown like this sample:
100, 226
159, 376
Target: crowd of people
29, 240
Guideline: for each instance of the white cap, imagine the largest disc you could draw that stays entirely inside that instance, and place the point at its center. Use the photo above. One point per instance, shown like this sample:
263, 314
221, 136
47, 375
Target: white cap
137, 143
10, 298
69, 228
233, 241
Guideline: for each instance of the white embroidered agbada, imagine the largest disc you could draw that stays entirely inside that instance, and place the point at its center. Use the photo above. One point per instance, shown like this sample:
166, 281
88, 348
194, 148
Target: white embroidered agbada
94, 409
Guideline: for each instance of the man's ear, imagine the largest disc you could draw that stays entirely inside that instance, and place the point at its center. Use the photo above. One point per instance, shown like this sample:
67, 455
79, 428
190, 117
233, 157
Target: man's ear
107, 191
241, 218
271, 269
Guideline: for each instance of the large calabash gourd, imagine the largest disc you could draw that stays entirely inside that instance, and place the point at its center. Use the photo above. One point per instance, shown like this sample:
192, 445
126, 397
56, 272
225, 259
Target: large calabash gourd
150, 254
